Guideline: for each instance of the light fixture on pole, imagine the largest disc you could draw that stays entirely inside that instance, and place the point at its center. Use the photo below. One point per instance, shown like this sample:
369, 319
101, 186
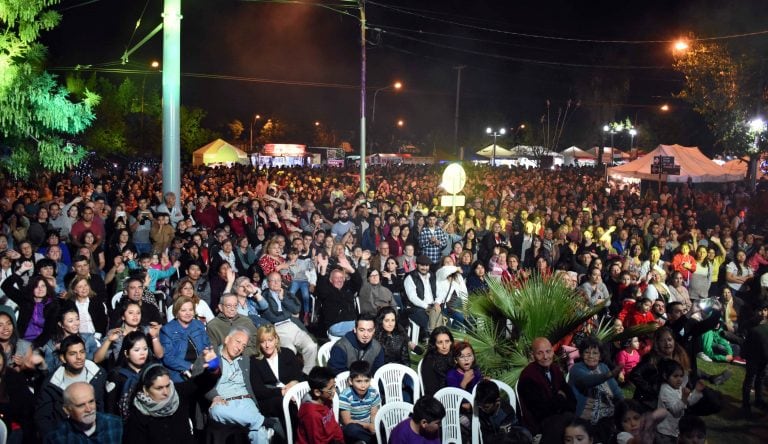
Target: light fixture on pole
396, 86
632, 134
253, 121
495, 134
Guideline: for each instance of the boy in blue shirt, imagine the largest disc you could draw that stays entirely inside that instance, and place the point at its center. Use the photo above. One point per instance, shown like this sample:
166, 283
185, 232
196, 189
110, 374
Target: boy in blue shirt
358, 405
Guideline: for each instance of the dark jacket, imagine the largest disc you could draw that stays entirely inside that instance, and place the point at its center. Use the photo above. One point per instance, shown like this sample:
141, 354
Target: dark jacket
540, 398
109, 430
13, 287
49, 407
144, 429
395, 347
348, 350
434, 368
264, 382
337, 305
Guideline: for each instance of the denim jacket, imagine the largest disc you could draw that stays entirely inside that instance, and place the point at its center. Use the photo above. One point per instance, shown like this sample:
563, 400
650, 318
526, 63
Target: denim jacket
174, 339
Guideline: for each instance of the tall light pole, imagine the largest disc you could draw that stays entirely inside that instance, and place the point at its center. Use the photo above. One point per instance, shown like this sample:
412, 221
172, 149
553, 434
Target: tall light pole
495, 134
757, 127
171, 97
361, 5
253, 122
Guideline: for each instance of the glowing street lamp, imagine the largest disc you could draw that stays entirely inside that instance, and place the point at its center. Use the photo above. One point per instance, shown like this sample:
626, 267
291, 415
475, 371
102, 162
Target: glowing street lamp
664, 107
400, 123
253, 121
632, 134
495, 134
397, 86
680, 45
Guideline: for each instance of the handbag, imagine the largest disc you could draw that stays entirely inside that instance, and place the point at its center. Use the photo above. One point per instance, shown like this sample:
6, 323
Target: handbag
436, 318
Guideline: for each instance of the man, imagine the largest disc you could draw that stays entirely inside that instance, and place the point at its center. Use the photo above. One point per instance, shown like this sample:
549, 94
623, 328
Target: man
227, 319
336, 296
150, 314
169, 207
206, 214
547, 401
249, 300
281, 311
232, 399
87, 223
141, 225
84, 424
342, 226
378, 261
432, 239
357, 345
75, 367
81, 267
58, 221
420, 291
161, 233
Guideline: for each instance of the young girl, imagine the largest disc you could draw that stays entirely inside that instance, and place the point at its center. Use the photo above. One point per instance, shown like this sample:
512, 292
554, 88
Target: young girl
635, 424
675, 397
465, 375
578, 432
628, 357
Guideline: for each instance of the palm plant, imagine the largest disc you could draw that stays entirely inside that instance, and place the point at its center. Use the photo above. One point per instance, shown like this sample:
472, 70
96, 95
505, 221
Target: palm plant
506, 320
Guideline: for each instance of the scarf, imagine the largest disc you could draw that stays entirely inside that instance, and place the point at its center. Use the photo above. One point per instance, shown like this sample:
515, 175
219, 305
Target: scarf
147, 406
599, 402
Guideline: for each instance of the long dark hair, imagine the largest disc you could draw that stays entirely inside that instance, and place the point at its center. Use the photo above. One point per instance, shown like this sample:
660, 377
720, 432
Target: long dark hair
441, 330
50, 292
384, 311
129, 341
14, 334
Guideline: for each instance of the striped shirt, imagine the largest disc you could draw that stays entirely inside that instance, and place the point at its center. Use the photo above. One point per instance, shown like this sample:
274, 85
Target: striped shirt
359, 407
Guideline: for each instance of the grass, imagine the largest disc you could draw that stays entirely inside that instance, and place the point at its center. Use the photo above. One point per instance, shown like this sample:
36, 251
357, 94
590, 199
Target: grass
731, 425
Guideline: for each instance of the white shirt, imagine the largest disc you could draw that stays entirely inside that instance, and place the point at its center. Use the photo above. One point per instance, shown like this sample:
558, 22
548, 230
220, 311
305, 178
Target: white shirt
412, 294
86, 323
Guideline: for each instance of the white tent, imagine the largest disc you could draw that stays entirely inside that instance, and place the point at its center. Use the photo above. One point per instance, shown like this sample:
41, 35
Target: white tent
693, 165
219, 152
610, 155
501, 152
577, 156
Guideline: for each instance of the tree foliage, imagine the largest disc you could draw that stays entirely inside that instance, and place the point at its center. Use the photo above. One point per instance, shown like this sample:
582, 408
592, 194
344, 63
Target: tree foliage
724, 87
38, 118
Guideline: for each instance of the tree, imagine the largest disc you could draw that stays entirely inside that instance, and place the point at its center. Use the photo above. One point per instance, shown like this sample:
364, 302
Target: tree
236, 128
192, 133
38, 119
273, 131
725, 88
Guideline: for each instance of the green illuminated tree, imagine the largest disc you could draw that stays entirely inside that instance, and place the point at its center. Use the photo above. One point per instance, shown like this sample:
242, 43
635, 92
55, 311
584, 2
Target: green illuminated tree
38, 118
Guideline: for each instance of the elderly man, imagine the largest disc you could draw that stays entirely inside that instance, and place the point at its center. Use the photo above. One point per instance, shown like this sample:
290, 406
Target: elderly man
84, 424
227, 319
548, 403
169, 206
282, 308
336, 296
232, 399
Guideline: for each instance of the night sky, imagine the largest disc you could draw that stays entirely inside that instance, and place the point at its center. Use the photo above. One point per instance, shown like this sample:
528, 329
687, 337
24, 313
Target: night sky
517, 55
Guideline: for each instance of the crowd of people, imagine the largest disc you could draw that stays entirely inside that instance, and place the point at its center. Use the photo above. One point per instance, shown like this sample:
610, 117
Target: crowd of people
128, 314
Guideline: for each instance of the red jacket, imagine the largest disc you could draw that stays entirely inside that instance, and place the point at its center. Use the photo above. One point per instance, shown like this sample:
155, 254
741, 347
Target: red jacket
318, 425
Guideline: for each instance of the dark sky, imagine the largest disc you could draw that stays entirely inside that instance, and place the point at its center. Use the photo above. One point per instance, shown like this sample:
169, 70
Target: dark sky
507, 79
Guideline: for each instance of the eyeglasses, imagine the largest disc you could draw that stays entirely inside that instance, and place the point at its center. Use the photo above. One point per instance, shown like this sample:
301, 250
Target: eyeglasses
331, 390
465, 357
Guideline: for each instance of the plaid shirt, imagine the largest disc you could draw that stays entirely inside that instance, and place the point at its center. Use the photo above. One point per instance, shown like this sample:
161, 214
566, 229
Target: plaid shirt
429, 249
109, 430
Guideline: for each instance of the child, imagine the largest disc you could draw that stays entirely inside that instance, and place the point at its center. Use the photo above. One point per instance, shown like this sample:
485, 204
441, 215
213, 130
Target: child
637, 313
628, 357
317, 423
299, 267
675, 397
497, 417
693, 430
578, 432
358, 405
145, 262
635, 424
423, 427
465, 375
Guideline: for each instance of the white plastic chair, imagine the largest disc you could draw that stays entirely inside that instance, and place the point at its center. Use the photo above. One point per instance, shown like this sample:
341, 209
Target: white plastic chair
116, 299
342, 381
421, 377
295, 393
389, 379
3, 433
324, 353
414, 331
390, 415
451, 398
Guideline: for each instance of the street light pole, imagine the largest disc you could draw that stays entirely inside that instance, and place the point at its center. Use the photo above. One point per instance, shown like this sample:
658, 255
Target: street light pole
253, 122
495, 134
396, 86
361, 4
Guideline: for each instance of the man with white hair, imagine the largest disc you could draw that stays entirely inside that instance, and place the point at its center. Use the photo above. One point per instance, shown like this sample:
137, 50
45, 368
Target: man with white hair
84, 424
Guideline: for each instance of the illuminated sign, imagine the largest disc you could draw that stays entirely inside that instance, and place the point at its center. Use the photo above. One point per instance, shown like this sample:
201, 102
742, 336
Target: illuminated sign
284, 149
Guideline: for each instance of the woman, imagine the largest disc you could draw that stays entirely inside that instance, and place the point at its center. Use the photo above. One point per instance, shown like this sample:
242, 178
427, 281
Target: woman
469, 243
184, 339
130, 315
17, 404
37, 302
186, 288
456, 252
67, 324
133, 356
392, 337
657, 288
17, 352
476, 281
272, 260
274, 370
372, 236
437, 361
159, 410
633, 262
374, 296
595, 388
701, 278
98, 261
646, 376
451, 291
738, 275
465, 262
396, 243
405, 236
93, 311
534, 252
120, 240
394, 281
497, 265
246, 256
678, 292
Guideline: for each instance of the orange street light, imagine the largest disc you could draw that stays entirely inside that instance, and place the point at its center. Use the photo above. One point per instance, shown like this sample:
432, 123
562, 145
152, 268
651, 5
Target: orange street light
155, 64
664, 107
680, 45
317, 123
400, 123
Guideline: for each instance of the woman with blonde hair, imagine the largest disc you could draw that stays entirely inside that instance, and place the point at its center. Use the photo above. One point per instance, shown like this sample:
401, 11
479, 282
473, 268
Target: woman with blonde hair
92, 309
274, 370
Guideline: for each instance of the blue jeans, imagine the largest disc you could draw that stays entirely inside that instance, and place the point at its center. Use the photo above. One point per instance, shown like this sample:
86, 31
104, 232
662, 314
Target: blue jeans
245, 413
142, 247
304, 287
341, 328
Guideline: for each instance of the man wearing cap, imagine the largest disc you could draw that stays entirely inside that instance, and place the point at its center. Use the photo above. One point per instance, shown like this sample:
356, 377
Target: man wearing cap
420, 290
432, 239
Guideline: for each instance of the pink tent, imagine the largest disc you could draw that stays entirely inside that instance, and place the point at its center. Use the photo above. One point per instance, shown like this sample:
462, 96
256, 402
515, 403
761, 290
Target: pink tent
693, 165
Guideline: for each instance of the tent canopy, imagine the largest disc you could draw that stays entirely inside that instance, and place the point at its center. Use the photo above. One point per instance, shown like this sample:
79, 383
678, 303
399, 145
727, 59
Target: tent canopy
577, 156
693, 165
740, 166
501, 152
219, 151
